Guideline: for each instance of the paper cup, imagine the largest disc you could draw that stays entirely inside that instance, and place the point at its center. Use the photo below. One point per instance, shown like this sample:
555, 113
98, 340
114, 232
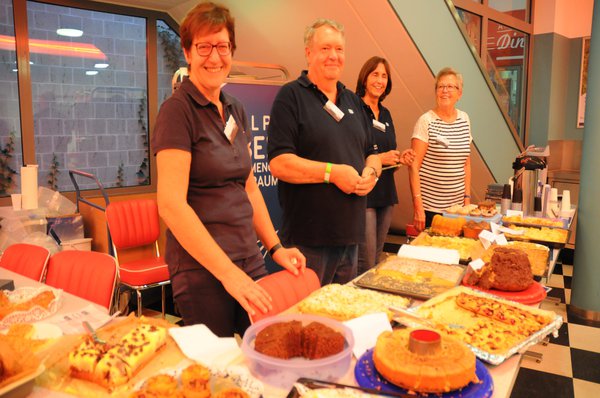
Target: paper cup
16, 201
565, 206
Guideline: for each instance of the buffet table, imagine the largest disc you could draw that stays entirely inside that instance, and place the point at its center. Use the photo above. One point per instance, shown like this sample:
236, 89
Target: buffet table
503, 375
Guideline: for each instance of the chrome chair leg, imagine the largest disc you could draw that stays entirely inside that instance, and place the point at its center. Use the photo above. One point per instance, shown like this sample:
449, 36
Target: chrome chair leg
139, 302
163, 300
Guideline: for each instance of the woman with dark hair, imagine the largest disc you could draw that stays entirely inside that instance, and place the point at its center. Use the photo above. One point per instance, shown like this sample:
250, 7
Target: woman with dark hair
207, 194
373, 85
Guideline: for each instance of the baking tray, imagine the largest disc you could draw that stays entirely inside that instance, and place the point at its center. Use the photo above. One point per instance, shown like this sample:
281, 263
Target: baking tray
312, 384
473, 248
415, 278
551, 244
522, 223
457, 322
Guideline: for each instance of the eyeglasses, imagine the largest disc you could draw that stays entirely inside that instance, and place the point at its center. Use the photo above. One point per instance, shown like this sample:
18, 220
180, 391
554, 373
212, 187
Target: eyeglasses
447, 88
204, 49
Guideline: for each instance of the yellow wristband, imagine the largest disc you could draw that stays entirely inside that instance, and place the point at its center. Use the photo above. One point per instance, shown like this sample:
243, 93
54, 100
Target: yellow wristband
327, 173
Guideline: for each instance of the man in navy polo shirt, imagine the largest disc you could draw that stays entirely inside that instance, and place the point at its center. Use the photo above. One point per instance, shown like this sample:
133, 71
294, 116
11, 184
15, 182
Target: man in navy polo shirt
321, 150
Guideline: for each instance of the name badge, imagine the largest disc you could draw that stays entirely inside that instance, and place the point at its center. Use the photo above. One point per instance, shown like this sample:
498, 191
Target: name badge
231, 129
443, 141
378, 125
334, 111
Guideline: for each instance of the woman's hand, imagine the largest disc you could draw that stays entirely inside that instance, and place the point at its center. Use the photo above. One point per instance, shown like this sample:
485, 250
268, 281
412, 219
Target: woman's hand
291, 259
390, 158
248, 293
419, 218
407, 157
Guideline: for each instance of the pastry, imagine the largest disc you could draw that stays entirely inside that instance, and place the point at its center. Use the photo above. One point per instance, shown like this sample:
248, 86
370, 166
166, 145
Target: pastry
116, 365
231, 392
447, 367
343, 302
446, 226
287, 340
161, 385
508, 270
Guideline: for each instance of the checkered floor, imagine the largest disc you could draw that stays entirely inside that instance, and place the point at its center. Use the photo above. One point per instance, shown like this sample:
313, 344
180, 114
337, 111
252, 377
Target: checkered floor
570, 366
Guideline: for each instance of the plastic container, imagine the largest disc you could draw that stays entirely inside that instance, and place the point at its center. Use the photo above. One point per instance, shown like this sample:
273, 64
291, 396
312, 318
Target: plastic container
283, 373
77, 244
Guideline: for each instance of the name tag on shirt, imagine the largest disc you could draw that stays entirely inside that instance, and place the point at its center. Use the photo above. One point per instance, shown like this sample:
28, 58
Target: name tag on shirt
378, 125
231, 129
443, 141
333, 111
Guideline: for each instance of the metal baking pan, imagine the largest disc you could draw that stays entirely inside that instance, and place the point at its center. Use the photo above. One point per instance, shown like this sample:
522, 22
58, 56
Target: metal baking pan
551, 244
492, 358
415, 278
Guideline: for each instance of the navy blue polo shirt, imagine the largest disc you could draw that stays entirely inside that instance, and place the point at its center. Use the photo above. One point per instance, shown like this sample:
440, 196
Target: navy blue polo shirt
218, 170
384, 193
320, 214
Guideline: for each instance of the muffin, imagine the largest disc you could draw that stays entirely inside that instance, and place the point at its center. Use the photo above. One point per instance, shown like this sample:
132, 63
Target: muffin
232, 392
161, 385
195, 380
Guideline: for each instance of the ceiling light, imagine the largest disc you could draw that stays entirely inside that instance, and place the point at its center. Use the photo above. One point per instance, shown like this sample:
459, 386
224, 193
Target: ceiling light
91, 72
15, 70
101, 66
69, 32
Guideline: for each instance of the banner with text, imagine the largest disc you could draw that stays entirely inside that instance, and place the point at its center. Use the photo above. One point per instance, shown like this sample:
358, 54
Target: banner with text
257, 100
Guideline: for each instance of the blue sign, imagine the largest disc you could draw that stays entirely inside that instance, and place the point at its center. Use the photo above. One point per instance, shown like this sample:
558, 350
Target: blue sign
257, 100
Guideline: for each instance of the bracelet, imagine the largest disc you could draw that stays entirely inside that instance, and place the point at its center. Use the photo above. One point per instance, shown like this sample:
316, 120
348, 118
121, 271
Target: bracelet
467, 196
275, 248
327, 173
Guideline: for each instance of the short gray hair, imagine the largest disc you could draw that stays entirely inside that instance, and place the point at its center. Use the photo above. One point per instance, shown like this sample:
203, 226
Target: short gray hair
309, 33
449, 71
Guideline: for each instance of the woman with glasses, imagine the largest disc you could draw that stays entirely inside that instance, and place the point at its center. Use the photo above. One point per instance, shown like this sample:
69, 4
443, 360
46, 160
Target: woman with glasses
373, 85
206, 192
440, 175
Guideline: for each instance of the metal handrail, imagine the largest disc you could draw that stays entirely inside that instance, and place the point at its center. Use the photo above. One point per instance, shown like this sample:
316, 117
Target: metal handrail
80, 198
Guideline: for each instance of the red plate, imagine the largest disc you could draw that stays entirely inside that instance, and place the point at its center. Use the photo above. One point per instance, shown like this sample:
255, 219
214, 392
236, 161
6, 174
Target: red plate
532, 295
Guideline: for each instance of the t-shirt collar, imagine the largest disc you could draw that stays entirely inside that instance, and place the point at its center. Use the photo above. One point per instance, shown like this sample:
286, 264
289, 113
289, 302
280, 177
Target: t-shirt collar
198, 97
305, 82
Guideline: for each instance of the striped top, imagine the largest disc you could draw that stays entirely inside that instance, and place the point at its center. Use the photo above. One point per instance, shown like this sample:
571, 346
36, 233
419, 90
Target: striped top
442, 173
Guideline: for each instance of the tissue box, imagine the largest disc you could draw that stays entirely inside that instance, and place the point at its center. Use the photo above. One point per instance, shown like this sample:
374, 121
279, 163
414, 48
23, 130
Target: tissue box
65, 228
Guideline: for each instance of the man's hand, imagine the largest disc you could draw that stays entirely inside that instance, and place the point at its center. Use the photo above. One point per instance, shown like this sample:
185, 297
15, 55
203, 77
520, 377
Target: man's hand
344, 177
367, 182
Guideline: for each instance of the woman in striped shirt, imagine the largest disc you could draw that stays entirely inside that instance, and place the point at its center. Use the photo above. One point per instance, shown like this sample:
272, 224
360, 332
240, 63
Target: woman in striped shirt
440, 175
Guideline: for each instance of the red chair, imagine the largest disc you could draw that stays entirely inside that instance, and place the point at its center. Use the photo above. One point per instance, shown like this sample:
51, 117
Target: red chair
286, 289
86, 274
25, 259
134, 228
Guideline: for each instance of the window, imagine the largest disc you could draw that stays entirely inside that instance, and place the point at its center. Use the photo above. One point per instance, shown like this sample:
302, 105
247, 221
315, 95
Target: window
515, 8
10, 124
472, 24
507, 49
502, 41
89, 95
170, 58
